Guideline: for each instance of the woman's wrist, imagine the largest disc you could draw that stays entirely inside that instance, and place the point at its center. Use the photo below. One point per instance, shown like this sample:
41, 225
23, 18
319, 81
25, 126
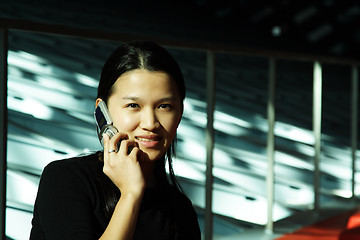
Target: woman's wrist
132, 195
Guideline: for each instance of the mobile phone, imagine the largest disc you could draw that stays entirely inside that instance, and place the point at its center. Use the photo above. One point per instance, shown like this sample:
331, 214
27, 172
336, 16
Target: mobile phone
104, 122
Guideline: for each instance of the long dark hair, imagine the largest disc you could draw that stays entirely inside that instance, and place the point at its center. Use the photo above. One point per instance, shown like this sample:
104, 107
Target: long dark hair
151, 57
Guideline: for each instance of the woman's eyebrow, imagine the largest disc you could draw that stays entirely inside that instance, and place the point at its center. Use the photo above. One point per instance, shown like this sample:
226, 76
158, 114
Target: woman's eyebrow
167, 99
131, 98
164, 99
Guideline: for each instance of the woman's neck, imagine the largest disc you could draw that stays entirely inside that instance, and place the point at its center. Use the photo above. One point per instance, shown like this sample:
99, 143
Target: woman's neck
149, 174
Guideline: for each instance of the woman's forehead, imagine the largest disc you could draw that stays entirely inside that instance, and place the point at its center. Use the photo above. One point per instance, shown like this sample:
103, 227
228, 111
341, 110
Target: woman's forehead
138, 82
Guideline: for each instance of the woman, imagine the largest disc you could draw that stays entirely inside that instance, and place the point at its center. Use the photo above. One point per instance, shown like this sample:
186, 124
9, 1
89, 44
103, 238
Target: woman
124, 192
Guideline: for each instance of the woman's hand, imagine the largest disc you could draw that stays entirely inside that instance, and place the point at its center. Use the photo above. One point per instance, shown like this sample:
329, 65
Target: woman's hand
123, 167
124, 170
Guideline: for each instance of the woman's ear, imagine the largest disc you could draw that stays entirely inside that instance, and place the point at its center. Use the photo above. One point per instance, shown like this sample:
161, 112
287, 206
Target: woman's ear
97, 102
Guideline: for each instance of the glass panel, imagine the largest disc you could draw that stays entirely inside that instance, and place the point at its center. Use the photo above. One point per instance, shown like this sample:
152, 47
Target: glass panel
294, 139
240, 140
336, 162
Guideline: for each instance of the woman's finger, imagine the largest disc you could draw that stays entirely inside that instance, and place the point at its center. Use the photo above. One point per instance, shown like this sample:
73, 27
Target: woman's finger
106, 148
114, 142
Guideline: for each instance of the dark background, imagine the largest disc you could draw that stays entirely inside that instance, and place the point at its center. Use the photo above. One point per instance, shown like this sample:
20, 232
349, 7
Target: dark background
325, 27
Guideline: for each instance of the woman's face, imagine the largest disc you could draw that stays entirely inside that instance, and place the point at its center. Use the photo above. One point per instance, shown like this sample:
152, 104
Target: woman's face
147, 107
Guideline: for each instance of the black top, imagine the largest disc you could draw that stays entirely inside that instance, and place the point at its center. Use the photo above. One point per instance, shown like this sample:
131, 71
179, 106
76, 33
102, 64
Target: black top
70, 205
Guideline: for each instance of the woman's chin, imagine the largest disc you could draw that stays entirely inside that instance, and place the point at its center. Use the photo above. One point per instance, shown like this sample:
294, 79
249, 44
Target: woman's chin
151, 155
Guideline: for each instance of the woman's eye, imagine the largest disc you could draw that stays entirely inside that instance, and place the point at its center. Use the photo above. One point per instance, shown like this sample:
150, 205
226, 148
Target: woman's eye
132, 105
165, 106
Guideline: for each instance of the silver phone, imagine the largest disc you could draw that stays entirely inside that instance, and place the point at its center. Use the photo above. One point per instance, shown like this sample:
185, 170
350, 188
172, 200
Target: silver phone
104, 122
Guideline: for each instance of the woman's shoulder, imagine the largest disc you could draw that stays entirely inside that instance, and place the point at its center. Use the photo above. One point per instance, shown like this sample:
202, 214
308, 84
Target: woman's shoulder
79, 164
76, 174
76, 161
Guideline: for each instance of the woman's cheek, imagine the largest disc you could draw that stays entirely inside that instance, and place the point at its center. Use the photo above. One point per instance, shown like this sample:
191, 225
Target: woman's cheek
172, 128
125, 123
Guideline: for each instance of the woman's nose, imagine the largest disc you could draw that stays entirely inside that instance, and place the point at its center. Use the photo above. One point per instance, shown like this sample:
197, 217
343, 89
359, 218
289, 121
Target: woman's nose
149, 120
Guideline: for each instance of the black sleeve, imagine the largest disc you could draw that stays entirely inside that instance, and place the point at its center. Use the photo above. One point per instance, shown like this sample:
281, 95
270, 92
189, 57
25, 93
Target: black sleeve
63, 208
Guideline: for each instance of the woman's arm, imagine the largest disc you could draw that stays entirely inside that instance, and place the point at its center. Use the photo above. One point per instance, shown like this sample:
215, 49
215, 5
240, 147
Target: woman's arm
123, 220
125, 172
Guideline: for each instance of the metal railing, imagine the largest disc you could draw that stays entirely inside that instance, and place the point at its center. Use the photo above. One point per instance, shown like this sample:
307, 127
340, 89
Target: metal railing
3, 127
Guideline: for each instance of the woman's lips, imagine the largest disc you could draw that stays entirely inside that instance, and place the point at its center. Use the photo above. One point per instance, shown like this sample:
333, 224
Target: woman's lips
148, 141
